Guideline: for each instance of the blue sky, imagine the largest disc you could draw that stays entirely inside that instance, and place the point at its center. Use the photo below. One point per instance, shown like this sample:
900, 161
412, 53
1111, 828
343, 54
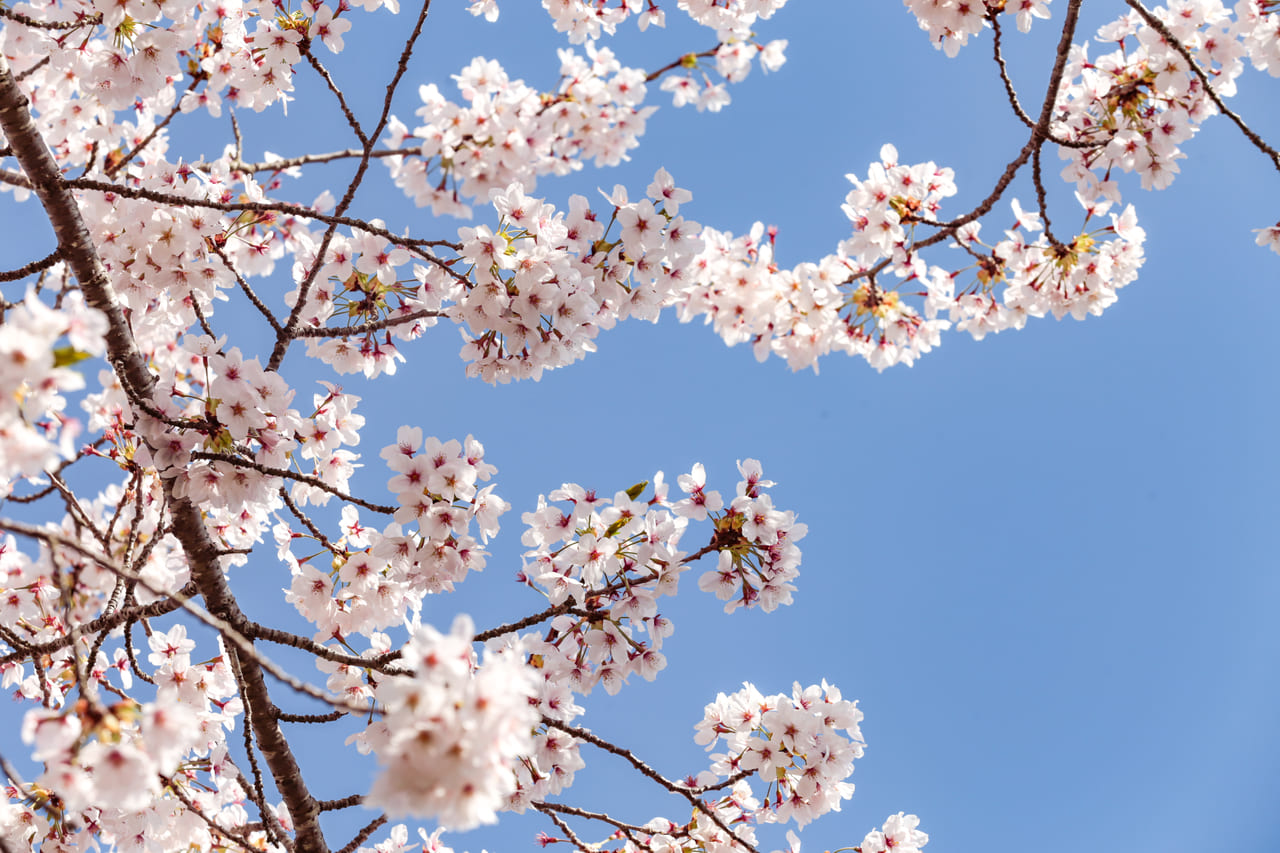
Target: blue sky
1042, 562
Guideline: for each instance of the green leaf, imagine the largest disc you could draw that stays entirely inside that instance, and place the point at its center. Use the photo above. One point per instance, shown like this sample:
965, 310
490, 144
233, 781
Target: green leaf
67, 356
637, 490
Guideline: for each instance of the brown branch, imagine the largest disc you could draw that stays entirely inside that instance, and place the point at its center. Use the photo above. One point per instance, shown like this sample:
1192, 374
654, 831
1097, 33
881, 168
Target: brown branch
360, 837
33, 267
139, 385
308, 159
33, 69
1039, 134
352, 121
680, 63
649, 772
627, 829
365, 328
568, 833
282, 207
246, 288
568, 605
82, 21
344, 803
237, 837
284, 638
993, 17
330, 717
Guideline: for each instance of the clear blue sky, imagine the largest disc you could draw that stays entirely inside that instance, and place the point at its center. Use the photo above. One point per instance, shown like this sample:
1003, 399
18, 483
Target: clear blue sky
1042, 562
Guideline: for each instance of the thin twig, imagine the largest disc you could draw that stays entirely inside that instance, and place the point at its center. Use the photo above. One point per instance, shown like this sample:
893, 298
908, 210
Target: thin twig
365, 328
344, 803
993, 17
246, 288
82, 21
34, 267
352, 121
155, 131
568, 833
283, 473
361, 836
286, 335
646, 770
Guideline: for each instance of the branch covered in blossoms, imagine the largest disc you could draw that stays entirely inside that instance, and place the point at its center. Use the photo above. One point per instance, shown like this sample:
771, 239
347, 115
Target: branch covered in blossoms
210, 463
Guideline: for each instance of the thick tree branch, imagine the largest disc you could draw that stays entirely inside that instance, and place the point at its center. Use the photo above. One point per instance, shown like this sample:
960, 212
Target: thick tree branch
203, 554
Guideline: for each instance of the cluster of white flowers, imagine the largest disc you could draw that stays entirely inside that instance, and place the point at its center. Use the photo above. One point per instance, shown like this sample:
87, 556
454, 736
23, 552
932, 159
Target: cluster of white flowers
35, 373
733, 60
950, 23
377, 577
616, 558
811, 310
539, 288
802, 747
1079, 278
733, 20
587, 20
509, 133
757, 543
120, 765
452, 732
1135, 105
898, 835
808, 311
1129, 110
462, 738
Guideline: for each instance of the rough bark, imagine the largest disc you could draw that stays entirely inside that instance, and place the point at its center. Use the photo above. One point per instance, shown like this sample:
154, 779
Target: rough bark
203, 555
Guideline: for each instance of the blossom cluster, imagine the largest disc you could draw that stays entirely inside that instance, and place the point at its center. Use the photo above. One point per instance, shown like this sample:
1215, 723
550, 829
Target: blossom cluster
732, 20
587, 20
898, 835
853, 301
509, 133
36, 373
732, 62
1131, 109
451, 732
229, 428
801, 746
950, 23
815, 308
376, 577
530, 294
540, 287
124, 54
131, 769
613, 559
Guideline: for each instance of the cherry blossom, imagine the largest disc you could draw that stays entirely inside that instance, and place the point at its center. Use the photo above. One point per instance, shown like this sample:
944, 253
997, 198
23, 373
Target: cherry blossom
217, 453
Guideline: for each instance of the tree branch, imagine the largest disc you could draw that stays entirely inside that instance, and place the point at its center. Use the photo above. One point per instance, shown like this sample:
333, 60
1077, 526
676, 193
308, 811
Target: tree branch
649, 772
126, 359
